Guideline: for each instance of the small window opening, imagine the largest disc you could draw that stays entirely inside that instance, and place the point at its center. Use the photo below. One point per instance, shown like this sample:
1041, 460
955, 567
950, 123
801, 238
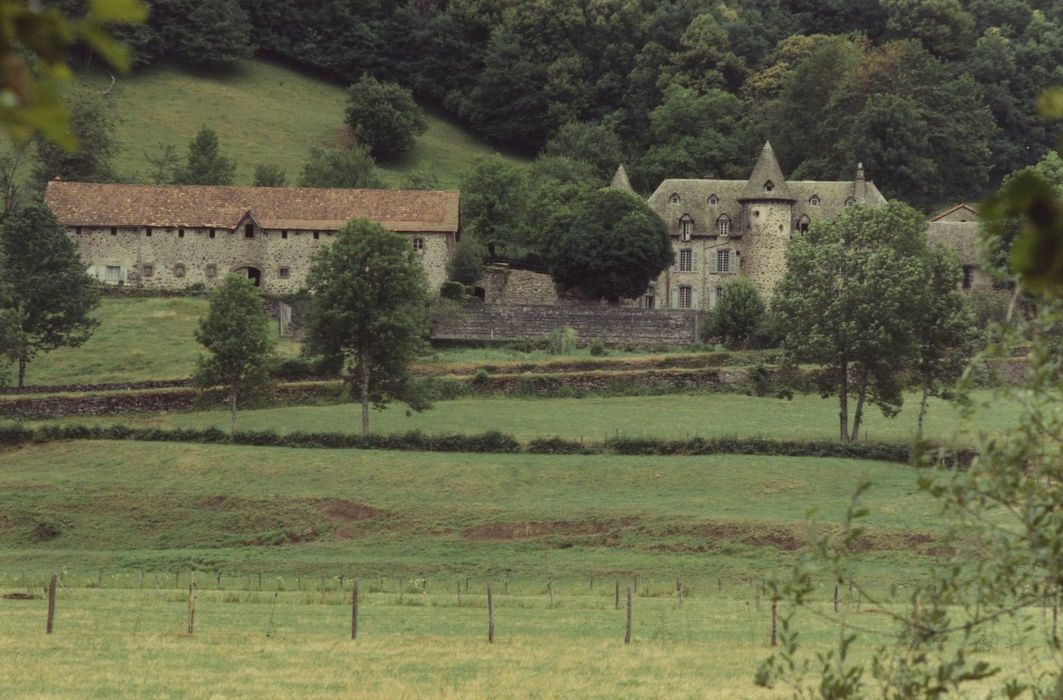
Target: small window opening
211, 233
212, 271
674, 199
284, 273
850, 202
147, 232
249, 230
723, 225
686, 229
317, 235
418, 244
968, 276
713, 200
178, 270
148, 270
814, 201
769, 186
284, 234
77, 230
180, 233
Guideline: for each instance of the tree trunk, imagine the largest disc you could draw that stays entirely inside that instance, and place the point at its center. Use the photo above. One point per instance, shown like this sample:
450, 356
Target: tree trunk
365, 396
232, 408
858, 417
922, 412
22, 371
843, 402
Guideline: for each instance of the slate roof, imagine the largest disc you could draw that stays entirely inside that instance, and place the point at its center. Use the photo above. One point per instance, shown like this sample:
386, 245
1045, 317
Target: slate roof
297, 208
959, 236
960, 212
621, 181
766, 171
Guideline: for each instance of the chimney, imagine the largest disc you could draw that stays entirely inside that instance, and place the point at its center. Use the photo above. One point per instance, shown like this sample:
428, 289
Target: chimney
860, 185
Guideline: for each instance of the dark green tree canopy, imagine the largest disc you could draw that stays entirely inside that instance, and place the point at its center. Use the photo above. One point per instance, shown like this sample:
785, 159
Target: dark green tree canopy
205, 164
493, 198
339, 167
383, 117
595, 144
200, 33
93, 125
269, 175
50, 292
738, 314
615, 247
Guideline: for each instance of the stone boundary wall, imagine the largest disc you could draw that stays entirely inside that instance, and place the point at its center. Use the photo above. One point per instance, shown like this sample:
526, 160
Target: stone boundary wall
609, 325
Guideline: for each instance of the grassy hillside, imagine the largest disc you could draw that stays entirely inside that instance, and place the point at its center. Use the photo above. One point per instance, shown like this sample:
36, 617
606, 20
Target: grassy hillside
263, 113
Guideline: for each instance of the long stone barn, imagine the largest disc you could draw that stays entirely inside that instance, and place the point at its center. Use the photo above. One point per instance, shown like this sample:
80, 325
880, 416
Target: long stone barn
180, 236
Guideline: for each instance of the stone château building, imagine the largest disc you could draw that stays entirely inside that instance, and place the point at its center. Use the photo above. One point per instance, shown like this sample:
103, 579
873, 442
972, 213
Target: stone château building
178, 236
723, 228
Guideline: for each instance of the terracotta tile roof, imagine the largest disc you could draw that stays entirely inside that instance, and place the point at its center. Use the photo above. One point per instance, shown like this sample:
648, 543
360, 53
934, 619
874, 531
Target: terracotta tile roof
194, 206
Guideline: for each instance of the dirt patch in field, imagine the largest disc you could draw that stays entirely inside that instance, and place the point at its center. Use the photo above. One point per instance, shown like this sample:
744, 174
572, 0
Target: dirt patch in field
347, 517
547, 528
19, 596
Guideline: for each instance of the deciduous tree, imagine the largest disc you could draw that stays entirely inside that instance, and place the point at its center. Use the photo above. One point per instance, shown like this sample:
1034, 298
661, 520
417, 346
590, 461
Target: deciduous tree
739, 312
845, 301
383, 117
339, 167
237, 335
615, 247
368, 306
51, 296
92, 126
269, 175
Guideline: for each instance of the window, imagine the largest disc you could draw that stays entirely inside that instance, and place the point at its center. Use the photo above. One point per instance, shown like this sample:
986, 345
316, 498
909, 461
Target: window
212, 271
284, 273
713, 200
723, 261
180, 233
769, 186
686, 260
968, 276
114, 230
686, 228
723, 225
418, 244
178, 270
249, 230
850, 202
147, 231
803, 223
284, 234
77, 230
649, 299
686, 296
147, 270
674, 199
813, 201
211, 233
112, 273
317, 235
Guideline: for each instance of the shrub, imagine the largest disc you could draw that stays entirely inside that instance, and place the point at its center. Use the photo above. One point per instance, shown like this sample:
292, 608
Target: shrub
452, 290
598, 349
738, 314
561, 341
481, 377
383, 117
467, 263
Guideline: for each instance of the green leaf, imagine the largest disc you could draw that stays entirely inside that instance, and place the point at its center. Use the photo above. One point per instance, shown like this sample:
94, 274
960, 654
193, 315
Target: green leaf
118, 11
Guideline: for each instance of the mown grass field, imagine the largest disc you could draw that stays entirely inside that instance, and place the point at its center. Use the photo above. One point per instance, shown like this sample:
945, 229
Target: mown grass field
675, 416
138, 339
263, 113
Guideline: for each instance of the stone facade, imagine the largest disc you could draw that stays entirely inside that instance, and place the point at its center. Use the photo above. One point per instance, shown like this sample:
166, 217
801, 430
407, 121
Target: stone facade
723, 228
178, 237
957, 229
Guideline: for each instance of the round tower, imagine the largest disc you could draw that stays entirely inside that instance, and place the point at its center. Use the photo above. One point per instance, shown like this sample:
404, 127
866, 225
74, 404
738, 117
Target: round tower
767, 216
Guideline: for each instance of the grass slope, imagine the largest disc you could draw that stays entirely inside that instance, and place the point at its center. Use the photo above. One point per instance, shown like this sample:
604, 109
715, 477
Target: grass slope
87, 504
263, 113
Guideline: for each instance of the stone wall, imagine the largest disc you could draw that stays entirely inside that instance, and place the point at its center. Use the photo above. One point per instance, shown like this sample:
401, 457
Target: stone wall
178, 258
505, 285
610, 325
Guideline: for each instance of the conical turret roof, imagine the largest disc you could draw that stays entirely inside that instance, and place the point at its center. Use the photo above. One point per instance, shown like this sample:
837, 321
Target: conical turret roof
767, 181
620, 181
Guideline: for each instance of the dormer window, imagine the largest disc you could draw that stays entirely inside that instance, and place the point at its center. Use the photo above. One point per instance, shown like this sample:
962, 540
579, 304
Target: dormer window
686, 228
850, 202
713, 200
249, 230
769, 186
674, 199
813, 201
723, 225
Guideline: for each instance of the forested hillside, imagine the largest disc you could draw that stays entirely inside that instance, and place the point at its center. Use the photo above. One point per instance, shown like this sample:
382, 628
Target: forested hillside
937, 97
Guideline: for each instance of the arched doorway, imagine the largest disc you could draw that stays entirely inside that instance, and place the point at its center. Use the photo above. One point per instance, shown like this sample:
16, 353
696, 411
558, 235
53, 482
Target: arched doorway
253, 273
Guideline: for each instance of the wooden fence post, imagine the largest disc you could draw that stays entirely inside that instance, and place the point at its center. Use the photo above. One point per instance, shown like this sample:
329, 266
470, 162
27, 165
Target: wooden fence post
616, 595
354, 611
191, 607
835, 597
627, 631
550, 590
490, 615
459, 594
774, 614
51, 603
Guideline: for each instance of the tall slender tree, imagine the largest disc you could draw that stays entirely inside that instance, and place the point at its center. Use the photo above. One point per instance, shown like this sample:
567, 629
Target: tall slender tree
205, 164
237, 335
369, 310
